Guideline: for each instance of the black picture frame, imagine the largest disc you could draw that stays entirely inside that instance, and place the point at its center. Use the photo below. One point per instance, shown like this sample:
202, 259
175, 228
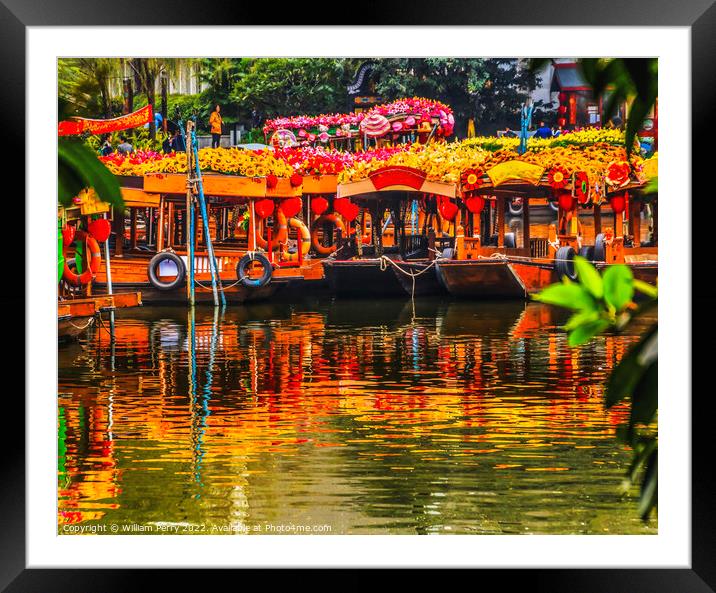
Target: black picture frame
699, 15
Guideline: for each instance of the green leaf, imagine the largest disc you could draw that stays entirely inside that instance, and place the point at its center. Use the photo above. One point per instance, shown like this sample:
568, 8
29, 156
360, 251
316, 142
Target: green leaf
589, 277
649, 486
645, 397
618, 286
586, 332
646, 288
78, 169
570, 296
627, 373
581, 318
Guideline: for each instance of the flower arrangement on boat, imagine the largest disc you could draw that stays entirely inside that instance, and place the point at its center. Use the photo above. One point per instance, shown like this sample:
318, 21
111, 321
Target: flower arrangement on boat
582, 166
402, 115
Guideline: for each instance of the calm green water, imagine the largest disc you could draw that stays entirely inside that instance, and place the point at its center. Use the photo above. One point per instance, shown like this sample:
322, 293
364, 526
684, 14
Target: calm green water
341, 417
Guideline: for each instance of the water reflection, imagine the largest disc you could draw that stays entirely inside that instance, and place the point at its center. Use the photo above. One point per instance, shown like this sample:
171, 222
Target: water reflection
365, 417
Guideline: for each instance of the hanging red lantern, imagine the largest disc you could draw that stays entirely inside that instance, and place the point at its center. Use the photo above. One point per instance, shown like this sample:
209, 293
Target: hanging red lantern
350, 212
341, 205
618, 203
562, 109
296, 180
100, 229
319, 205
291, 206
566, 201
68, 235
562, 121
448, 210
562, 97
271, 181
264, 208
475, 204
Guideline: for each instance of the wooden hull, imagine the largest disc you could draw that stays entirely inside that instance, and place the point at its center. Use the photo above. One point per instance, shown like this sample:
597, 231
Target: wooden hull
70, 328
130, 273
480, 279
514, 278
74, 316
362, 278
234, 295
426, 279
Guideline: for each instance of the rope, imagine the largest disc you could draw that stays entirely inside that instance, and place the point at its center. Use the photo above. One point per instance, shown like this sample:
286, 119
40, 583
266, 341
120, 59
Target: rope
384, 261
85, 326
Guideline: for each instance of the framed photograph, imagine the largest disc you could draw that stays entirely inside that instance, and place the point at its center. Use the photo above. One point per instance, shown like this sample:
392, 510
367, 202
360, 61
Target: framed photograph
346, 287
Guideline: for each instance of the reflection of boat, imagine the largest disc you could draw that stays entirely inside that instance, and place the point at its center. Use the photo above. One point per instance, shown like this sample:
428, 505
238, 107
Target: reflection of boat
378, 311
367, 277
495, 318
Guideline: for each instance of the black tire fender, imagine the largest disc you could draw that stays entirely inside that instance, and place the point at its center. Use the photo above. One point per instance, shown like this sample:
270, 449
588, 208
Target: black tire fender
587, 252
564, 263
242, 275
153, 267
600, 248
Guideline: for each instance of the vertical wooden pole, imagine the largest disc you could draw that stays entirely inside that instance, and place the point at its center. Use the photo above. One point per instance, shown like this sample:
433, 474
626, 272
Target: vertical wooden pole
190, 218
597, 220
118, 224
635, 226
133, 228
526, 223
655, 214
160, 225
500, 204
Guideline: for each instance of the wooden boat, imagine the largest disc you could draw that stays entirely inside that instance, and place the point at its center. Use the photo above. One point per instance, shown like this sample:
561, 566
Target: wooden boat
394, 256
155, 222
75, 316
515, 269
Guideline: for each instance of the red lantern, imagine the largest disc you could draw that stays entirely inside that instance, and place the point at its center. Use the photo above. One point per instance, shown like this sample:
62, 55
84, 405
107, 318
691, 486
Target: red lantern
350, 212
319, 205
475, 204
264, 208
271, 181
448, 210
562, 121
566, 201
618, 203
562, 97
291, 206
100, 229
296, 180
340, 204
562, 109
68, 235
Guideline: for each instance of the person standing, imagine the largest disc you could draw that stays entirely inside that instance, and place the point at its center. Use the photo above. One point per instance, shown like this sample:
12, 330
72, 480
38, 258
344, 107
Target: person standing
215, 122
543, 131
106, 148
125, 147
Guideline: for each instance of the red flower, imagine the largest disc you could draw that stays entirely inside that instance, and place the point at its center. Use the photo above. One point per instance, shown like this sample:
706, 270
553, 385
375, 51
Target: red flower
471, 180
581, 187
558, 177
618, 173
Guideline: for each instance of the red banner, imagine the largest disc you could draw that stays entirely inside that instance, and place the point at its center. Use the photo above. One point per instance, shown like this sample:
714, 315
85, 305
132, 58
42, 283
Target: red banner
81, 125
